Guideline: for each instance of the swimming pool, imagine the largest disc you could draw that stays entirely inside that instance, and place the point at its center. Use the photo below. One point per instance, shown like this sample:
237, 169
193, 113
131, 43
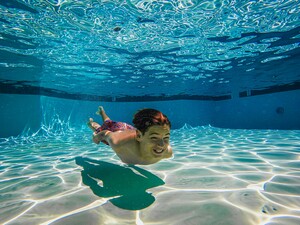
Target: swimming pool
224, 72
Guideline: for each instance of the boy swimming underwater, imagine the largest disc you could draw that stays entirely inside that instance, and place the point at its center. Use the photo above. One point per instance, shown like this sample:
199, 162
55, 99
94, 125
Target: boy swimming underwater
145, 143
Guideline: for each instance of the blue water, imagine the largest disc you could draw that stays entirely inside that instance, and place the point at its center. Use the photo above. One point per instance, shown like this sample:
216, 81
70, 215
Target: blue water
239, 59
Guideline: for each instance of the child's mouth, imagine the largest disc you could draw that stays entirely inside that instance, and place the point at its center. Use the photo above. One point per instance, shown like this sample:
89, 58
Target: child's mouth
158, 151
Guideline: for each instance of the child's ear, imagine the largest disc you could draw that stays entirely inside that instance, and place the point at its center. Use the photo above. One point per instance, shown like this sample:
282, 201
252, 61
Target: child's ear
138, 135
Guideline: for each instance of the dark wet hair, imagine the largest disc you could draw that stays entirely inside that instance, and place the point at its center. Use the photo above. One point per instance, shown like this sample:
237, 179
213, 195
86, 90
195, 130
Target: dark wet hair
145, 118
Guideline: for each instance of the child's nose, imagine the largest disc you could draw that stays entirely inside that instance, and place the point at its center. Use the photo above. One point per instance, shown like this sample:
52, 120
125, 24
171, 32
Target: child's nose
160, 142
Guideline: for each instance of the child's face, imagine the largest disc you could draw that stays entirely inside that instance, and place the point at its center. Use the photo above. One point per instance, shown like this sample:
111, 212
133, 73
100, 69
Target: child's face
155, 141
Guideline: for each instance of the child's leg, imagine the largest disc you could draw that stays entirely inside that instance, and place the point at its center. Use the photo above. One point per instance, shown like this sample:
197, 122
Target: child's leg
102, 113
93, 125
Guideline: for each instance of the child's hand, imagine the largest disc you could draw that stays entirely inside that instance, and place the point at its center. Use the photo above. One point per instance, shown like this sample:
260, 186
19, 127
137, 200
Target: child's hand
96, 138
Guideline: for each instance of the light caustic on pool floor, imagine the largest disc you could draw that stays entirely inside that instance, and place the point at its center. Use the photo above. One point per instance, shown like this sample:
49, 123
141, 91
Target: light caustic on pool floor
217, 176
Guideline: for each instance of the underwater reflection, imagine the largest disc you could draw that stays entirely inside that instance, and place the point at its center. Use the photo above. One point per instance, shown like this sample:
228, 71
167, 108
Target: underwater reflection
127, 184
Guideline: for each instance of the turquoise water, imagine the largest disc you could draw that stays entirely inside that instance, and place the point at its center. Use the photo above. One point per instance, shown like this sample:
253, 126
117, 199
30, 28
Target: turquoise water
219, 52
217, 176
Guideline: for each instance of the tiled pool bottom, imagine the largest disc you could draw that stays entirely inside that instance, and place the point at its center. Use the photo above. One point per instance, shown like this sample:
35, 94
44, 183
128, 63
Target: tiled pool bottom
217, 176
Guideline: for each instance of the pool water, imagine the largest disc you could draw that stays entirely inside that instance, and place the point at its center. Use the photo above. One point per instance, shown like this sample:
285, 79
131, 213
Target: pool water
232, 64
217, 176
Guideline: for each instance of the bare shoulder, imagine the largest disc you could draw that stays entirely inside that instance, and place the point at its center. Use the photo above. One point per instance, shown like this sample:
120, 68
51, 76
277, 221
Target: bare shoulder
125, 146
122, 137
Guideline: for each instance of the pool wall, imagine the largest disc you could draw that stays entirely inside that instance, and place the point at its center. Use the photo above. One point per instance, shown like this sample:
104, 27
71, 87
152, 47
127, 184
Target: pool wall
280, 110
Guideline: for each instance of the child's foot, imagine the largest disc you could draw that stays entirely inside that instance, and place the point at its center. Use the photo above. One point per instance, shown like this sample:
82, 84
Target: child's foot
100, 110
93, 125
